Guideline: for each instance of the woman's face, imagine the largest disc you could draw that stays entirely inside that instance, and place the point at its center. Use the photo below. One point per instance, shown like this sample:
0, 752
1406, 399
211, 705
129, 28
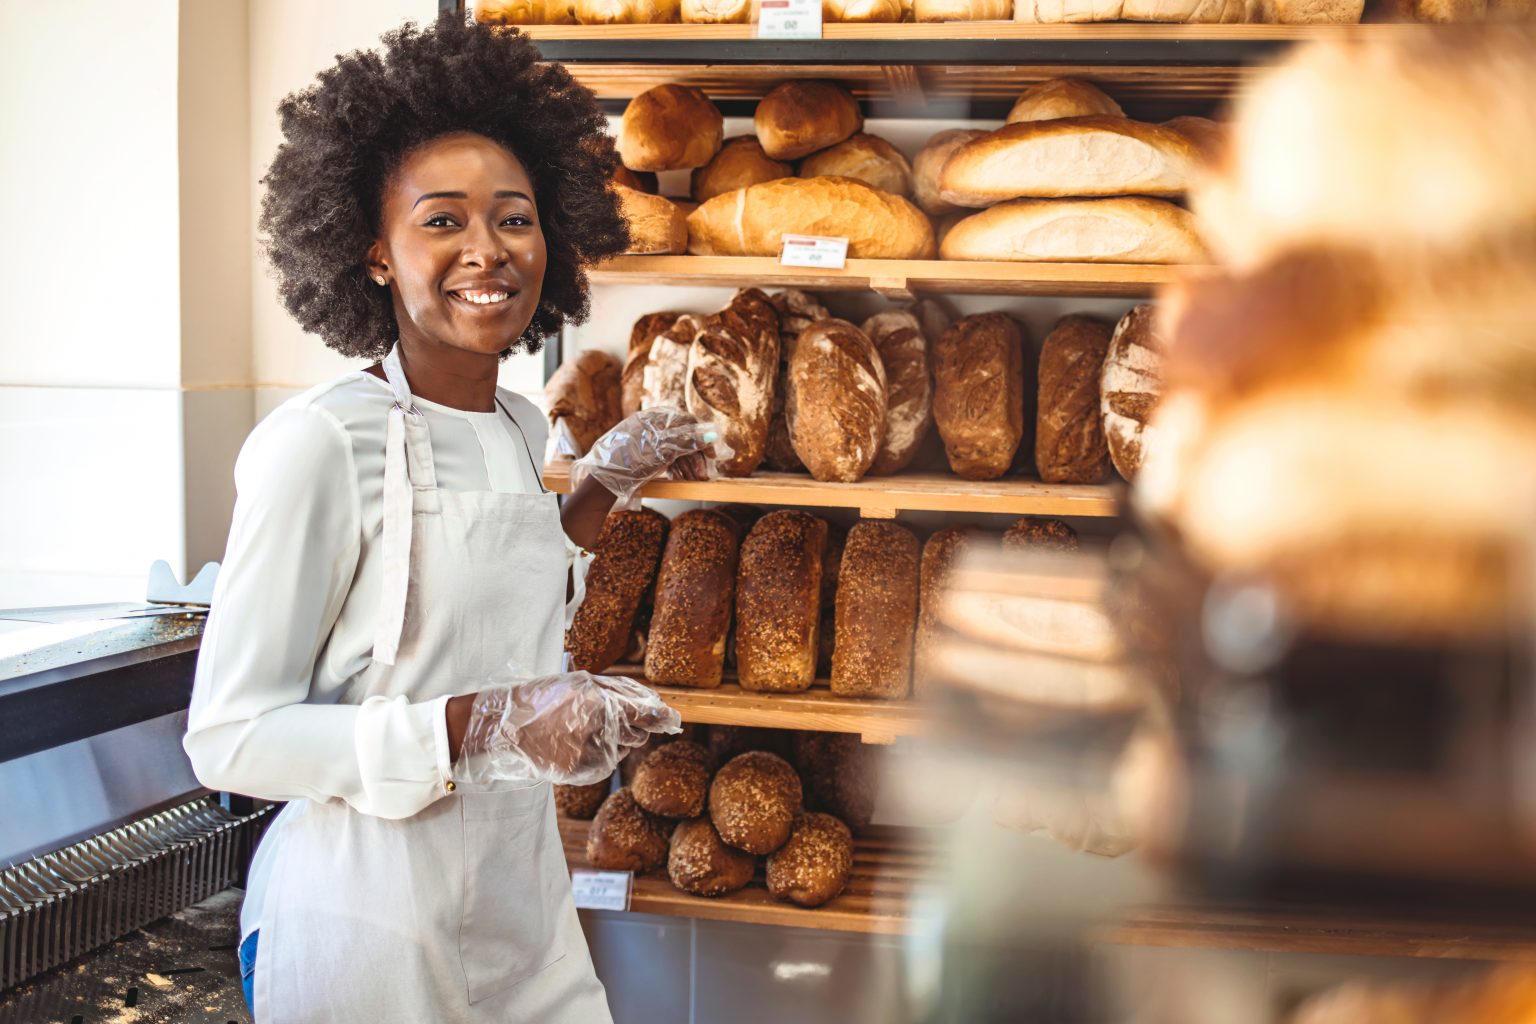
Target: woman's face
460, 245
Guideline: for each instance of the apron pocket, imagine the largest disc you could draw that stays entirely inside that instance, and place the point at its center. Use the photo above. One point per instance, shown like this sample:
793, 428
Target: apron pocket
513, 888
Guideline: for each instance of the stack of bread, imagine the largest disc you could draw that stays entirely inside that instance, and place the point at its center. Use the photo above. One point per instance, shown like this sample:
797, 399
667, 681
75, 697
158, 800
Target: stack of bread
1351, 405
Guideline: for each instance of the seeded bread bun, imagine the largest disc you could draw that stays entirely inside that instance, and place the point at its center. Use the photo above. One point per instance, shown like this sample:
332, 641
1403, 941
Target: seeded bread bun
753, 801
637, 755
700, 863
814, 865
626, 837
674, 780
581, 802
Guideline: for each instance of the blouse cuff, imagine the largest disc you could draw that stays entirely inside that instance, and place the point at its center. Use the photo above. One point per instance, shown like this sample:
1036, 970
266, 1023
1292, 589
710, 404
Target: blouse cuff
443, 754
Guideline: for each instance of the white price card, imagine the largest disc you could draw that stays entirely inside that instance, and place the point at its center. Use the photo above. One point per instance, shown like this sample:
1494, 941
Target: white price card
789, 19
814, 251
602, 890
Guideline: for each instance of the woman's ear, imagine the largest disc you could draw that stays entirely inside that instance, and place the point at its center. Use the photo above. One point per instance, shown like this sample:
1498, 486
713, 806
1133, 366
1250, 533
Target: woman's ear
378, 267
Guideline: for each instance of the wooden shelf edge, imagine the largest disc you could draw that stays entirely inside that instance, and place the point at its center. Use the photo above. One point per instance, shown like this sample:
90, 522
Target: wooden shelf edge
970, 30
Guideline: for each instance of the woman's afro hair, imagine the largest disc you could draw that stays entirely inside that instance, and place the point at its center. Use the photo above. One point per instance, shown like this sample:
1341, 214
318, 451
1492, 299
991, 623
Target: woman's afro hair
346, 134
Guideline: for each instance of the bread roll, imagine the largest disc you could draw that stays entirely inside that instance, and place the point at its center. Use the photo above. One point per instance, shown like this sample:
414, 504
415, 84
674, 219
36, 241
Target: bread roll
753, 801
1039, 533
622, 571
625, 12
626, 837
797, 118
1130, 386
940, 553
778, 606
1207, 136
632, 761
1069, 432
695, 589
962, 10
978, 394
815, 864
930, 160
740, 162
664, 381
753, 221
584, 395
840, 774
1071, 156
863, 157
669, 128
1122, 230
525, 12
641, 337
797, 311
876, 612
903, 351
1062, 97
640, 181
673, 781
581, 802
731, 370
861, 10
701, 864
656, 226
734, 12
835, 400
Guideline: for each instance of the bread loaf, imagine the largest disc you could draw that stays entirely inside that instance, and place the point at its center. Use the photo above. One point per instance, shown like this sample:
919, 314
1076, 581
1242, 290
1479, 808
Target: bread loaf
1039, 533
903, 351
815, 864
876, 612
626, 837
978, 394
700, 863
640, 181
731, 370
1062, 97
863, 157
673, 781
1207, 136
1128, 229
797, 311
525, 12
962, 10
669, 128
584, 393
712, 12
625, 12
778, 606
835, 400
861, 10
1309, 12
831, 566
623, 569
1069, 432
797, 118
840, 775
695, 589
581, 802
1071, 156
641, 337
664, 381
753, 221
740, 162
930, 160
940, 553
1130, 387
656, 226
753, 801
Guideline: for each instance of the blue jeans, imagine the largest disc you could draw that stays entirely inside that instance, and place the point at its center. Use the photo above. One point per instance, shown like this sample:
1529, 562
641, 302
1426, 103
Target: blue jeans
247, 956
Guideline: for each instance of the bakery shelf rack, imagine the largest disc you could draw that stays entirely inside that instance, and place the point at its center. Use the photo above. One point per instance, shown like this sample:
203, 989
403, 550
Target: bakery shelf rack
882, 497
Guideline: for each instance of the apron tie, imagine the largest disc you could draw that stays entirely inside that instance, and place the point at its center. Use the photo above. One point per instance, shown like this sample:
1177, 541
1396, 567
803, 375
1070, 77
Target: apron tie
398, 507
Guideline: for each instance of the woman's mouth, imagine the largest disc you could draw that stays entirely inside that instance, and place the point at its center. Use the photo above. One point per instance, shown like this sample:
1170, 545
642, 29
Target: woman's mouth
483, 298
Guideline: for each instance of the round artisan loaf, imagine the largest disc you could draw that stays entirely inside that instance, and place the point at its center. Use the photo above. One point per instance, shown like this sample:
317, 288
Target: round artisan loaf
778, 607
840, 773
640, 181
1063, 97
815, 864
657, 226
863, 157
626, 837
732, 365
625, 12
581, 802
834, 400
740, 162
1039, 533
861, 10
669, 128
753, 801
1130, 386
876, 612
673, 780
903, 349
797, 118
753, 221
700, 863
930, 161
1069, 431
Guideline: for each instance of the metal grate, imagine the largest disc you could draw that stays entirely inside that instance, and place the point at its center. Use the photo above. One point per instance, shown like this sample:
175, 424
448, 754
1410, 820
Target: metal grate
78, 899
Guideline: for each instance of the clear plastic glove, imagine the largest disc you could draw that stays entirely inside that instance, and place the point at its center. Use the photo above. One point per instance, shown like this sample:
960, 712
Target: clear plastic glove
646, 445
571, 729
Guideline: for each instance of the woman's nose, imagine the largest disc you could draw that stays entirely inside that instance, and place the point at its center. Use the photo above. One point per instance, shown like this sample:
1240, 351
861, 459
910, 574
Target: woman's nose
483, 247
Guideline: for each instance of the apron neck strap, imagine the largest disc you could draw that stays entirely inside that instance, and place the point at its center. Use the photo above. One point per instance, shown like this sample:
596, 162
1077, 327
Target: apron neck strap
395, 374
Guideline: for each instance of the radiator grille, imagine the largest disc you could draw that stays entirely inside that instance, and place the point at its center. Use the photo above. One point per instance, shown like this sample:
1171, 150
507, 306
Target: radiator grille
78, 899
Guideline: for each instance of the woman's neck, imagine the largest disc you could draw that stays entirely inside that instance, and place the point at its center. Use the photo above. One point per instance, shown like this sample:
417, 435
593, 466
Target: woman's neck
449, 376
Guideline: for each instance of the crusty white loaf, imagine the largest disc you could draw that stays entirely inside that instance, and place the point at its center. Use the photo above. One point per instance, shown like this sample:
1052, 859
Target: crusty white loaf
962, 10
669, 128
625, 12
753, 221
797, 118
1130, 386
1056, 98
930, 160
861, 10
863, 157
1070, 156
709, 12
740, 162
835, 400
1126, 229
663, 384
903, 349
656, 225
731, 371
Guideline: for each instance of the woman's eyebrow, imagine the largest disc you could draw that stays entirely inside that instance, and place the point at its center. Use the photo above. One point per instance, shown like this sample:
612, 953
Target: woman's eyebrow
505, 194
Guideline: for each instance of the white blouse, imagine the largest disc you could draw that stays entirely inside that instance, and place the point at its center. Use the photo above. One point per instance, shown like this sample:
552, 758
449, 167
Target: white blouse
293, 611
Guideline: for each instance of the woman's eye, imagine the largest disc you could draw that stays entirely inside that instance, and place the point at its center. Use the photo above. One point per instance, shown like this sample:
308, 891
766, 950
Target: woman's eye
439, 220
520, 220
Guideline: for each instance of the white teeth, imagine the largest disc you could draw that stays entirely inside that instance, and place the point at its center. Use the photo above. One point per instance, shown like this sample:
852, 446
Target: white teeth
483, 298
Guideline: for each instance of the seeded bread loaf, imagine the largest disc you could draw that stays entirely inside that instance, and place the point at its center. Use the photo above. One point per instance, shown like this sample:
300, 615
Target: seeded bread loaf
876, 612
834, 403
700, 863
641, 337
903, 349
1069, 432
695, 589
815, 864
1130, 387
778, 610
673, 781
753, 801
664, 380
583, 396
731, 370
797, 118
581, 802
623, 568
940, 553
1039, 533
626, 837
831, 566
797, 311
978, 394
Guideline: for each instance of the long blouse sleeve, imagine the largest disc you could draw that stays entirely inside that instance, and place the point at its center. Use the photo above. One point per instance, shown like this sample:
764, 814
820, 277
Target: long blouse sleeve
292, 555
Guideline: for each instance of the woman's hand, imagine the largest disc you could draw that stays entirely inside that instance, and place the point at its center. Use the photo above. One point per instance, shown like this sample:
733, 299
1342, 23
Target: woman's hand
644, 446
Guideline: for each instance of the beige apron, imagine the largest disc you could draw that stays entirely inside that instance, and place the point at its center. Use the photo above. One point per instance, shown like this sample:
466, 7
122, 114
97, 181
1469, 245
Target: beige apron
462, 913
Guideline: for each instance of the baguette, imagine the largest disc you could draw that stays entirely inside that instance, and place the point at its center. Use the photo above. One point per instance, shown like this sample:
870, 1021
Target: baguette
1121, 230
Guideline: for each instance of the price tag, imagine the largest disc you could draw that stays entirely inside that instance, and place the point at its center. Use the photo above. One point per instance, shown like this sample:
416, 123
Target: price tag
789, 19
602, 890
814, 251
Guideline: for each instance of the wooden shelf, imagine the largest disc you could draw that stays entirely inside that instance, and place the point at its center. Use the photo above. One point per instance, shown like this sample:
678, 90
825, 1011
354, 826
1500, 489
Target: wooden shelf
897, 279
881, 497
887, 865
